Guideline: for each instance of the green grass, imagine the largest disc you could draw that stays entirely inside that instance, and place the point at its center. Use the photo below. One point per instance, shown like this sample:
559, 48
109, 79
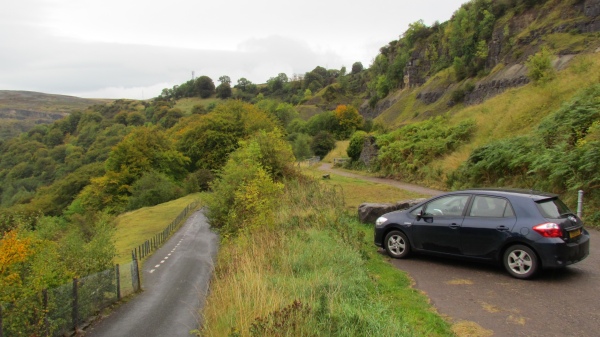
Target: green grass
357, 191
134, 228
338, 152
341, 293
321, 275
518, 111
186, 104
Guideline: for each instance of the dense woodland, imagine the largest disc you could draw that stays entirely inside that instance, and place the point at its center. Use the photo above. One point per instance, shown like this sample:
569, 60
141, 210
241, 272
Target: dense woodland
62, 183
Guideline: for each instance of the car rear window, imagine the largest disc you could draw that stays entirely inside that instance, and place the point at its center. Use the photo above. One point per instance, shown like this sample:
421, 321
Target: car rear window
553, 208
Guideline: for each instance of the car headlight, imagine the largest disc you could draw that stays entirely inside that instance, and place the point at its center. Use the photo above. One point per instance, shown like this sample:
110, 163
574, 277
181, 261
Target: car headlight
379, 222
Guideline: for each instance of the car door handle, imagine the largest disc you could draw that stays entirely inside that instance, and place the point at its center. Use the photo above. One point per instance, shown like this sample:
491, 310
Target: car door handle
454, 226
502, 228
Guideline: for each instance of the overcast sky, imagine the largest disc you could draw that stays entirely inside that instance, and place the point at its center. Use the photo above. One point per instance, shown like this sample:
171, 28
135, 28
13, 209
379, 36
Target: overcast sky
135, 48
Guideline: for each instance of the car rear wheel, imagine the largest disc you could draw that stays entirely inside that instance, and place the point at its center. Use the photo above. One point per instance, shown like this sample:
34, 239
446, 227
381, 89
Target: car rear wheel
521, 262
396, 245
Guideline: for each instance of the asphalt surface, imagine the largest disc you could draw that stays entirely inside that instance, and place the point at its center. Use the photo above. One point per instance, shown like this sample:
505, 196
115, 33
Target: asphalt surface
564, 302
175, 280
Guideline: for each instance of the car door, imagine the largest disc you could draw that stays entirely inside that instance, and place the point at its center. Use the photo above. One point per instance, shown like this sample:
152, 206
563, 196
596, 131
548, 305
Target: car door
437, 227
486, 227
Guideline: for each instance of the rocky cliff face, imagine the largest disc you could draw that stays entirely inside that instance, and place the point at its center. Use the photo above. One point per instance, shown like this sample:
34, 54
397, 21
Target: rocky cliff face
507, 46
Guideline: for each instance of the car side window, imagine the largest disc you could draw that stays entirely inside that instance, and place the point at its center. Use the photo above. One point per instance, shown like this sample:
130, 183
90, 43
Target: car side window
491, 207
417, 211
452, 205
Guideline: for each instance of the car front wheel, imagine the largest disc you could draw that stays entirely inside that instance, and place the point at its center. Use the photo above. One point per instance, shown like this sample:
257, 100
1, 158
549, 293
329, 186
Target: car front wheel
396, 245
521, 262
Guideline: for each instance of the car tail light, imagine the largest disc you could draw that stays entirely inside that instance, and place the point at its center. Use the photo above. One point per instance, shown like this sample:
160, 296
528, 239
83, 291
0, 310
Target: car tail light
549, 230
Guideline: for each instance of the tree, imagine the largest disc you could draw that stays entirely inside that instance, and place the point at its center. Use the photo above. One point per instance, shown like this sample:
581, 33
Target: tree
205, 86
356, 145
348, 119
322, 143
357, 67
539, 67
224, 90
225, 79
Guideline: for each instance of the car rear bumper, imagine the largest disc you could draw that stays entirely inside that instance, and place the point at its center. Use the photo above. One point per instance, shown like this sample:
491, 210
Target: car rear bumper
557, 255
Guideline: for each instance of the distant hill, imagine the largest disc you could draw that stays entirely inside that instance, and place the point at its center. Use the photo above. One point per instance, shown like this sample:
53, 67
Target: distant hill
22, 110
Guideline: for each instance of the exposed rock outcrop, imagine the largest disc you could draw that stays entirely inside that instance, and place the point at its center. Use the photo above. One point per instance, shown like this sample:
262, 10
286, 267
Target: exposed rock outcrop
369, 212
369, 150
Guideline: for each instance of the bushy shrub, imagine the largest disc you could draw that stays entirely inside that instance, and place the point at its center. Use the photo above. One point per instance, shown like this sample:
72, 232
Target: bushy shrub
407, 150
152, 189
539, 67
562, 155
356, 145
322, 143
245, 196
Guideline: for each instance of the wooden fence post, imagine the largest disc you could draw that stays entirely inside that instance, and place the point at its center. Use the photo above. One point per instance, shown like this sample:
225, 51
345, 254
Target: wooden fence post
75, 312
45, 305
1, 333
118, 272
137, 275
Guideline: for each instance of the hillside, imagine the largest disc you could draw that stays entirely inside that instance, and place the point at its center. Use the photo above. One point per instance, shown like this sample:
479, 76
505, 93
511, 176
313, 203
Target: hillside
22, 110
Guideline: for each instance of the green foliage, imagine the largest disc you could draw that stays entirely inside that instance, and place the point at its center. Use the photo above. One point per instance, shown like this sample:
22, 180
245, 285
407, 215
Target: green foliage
562, 155
357, 67
208, 139
409, 149
539, 67
205, 87
322, 143
224, 90
383, 86
151, 189
47, 258
245, 196
356, 145
145, 149
301, 145
198, 181
285, 113
325, 121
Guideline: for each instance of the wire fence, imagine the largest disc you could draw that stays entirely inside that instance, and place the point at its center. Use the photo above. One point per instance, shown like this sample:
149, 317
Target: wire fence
157, 240
58, 311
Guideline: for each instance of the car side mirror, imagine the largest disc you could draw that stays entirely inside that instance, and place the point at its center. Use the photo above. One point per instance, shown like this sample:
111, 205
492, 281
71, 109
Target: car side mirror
423, 215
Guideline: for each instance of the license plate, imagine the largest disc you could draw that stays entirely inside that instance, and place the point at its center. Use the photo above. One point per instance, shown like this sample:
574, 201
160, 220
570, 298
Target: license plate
575, 233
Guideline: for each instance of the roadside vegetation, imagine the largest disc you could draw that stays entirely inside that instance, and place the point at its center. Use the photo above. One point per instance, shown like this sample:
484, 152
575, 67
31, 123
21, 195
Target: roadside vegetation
308, 268
62, 185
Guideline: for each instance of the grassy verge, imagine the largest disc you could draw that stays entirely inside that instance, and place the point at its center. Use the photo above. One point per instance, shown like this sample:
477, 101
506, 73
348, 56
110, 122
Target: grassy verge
133, 228
340, 151
319, 275
358, 191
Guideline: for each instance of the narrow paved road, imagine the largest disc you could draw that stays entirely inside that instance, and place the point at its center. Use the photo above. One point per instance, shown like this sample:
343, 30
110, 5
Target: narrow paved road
175, 281
557, 303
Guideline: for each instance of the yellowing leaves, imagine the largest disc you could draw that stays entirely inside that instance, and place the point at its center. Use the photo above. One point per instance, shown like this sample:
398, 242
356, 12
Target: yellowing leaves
13, 250
348, 117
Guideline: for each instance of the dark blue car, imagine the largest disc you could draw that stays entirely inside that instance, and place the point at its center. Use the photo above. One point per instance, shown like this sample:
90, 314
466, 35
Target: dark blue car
525, 230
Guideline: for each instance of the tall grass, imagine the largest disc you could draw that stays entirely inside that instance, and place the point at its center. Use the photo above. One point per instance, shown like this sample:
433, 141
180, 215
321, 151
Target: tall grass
317, 275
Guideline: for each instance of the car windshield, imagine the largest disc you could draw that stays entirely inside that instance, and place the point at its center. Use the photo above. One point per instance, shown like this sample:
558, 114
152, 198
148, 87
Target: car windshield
553, 208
